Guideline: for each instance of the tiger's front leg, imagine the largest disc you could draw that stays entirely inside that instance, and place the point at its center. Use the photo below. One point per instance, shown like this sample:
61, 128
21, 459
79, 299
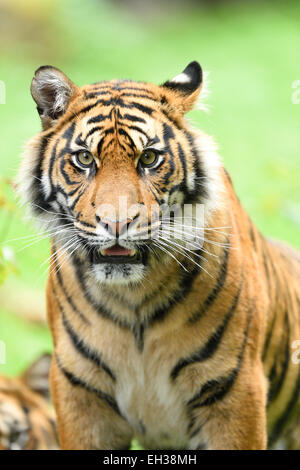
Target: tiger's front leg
234, 421
87, 419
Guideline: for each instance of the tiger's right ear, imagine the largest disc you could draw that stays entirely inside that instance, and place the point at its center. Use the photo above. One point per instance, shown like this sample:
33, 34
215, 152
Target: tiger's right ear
52, 91
185, 87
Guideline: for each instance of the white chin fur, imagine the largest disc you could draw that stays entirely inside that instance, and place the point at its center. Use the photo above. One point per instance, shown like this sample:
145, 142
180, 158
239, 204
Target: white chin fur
106, 273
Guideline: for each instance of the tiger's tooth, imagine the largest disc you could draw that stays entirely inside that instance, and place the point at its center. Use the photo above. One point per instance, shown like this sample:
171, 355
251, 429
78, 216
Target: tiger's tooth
102, 252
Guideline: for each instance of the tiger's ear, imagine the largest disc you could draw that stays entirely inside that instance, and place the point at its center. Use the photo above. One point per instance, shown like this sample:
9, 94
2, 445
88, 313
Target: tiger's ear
36, 377
187, 86
52, 91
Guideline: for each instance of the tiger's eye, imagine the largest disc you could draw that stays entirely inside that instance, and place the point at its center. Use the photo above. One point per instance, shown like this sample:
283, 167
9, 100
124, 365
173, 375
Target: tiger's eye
148, 158
84, 158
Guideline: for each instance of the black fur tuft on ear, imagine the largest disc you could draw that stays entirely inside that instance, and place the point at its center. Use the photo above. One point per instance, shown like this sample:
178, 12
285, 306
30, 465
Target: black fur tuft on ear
52, 90
187, 81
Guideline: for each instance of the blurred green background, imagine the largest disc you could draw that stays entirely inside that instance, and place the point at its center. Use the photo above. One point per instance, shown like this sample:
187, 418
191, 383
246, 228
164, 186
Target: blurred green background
251, 50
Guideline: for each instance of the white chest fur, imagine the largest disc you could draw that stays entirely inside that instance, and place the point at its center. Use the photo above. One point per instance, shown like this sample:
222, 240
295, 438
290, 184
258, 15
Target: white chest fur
152, 404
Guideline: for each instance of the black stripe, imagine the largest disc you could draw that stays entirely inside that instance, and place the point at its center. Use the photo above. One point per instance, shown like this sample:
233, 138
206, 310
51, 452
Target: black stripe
79, 141
138, 333
68, 135
138, 129
201, 446
172, 119
140, 107
120, 86
168, 135
77, 382
70, 193
121, 104
85, 350
130, 88
267, 273
182, 159
216, 290
131, 143
275, 434
139, 95
99, 146
63, 288
65, 174
99, 118
252, 234
274, 311
277, 382
74, 202
217, 389
37, 188
206, 351
196, 431
150, 188
111, 101
86, 224
184, 288
51, 165
93, 130
131, 117
98, 306
198, 168
94, 94
268, 337
108, 144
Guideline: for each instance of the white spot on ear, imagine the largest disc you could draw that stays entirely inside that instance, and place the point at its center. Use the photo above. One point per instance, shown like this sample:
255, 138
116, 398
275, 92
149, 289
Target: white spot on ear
181, 78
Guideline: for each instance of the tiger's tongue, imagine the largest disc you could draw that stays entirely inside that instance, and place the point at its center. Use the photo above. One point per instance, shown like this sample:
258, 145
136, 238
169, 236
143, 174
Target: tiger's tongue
117, 250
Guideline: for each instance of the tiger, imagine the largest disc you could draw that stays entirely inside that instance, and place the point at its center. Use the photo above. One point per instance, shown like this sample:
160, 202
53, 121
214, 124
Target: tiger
27, 420
176, 328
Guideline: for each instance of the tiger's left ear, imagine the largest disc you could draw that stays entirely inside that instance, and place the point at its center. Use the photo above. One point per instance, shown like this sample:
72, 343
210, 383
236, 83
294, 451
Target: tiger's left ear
187, 86
52, 91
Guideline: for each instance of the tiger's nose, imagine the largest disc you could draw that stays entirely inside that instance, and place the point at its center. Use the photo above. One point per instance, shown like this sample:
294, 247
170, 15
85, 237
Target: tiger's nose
115, 228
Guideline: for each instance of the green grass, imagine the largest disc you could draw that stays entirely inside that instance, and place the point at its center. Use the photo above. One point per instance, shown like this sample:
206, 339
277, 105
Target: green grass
24, 342
252, 53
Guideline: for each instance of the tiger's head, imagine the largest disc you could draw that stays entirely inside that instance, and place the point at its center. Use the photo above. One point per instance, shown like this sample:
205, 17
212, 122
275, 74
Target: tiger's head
111, 160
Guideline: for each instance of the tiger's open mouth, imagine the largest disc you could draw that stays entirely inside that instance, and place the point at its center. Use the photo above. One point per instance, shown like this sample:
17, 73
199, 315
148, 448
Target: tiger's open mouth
116, 254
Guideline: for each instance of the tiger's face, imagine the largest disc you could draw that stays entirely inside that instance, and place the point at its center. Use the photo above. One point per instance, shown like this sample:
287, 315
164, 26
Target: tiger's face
112, 159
